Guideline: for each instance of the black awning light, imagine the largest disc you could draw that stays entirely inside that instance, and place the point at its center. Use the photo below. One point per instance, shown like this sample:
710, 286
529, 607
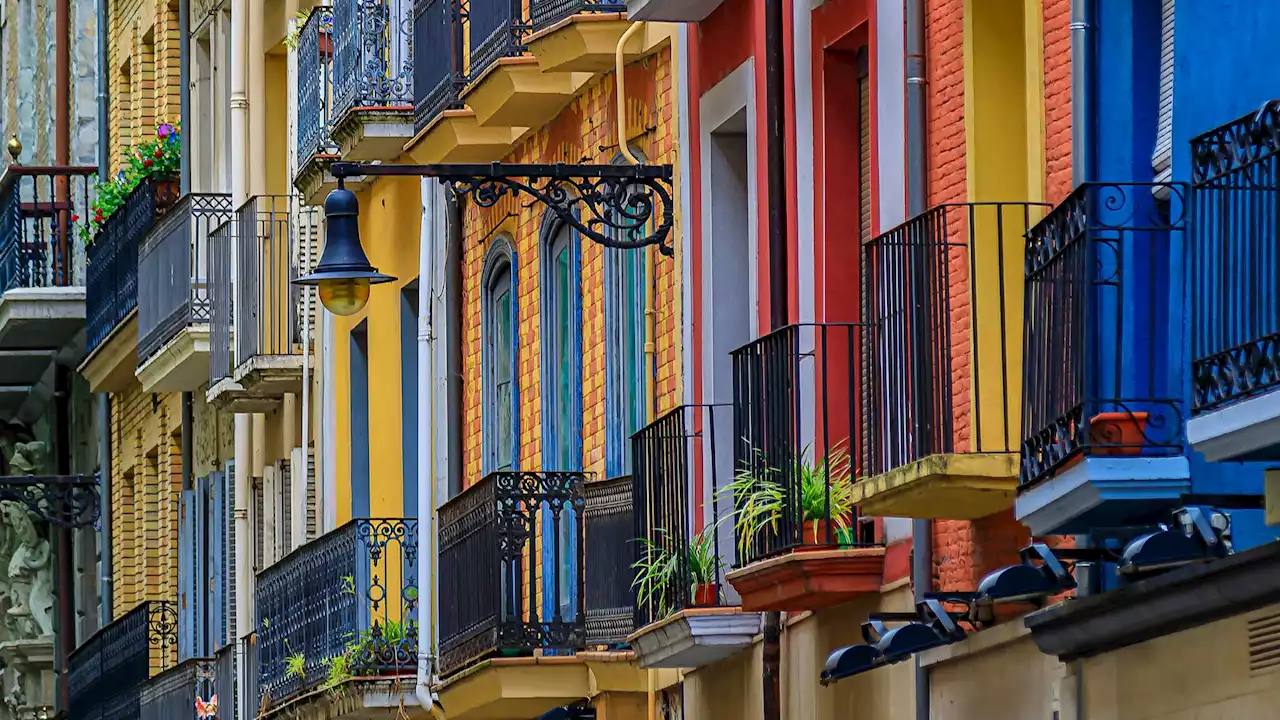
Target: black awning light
849, 661
1027, 582
569, 712
929, 627
1197, 533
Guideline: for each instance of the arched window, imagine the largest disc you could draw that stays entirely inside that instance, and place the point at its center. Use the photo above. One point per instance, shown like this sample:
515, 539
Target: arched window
499, 408
626, 394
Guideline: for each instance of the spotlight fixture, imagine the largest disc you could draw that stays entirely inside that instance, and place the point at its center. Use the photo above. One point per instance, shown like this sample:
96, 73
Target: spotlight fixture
1197, 533
936, 628
1026, 582
849, 661
574, 712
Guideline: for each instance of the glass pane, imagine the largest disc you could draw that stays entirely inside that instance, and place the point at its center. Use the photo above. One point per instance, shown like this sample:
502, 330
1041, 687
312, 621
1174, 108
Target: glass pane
563, 355
502, 379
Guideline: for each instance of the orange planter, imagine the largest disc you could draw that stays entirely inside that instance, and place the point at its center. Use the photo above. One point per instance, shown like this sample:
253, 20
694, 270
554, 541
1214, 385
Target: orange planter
1117, 433
705, 595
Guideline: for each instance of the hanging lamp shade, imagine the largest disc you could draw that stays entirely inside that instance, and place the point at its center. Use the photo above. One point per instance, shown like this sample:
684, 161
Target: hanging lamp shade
343, 275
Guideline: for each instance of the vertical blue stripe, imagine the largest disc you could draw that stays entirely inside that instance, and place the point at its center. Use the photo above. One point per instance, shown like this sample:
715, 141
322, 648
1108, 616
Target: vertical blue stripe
409, 393
360, 421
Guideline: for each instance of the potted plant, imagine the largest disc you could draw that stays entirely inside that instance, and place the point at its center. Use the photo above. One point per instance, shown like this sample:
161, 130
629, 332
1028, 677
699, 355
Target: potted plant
660, 566
704, 569
825, 497
158, 160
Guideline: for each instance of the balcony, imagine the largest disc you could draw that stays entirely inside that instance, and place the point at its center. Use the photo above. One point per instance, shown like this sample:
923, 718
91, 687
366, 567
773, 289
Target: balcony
535, 593
108, 671
339, 613
177, 692
687, 616
583, 36
1234, 278
111, 292
43, 211
275, 240
1102, 414
372, 91
797, 455
942, 300
684, 11
174, 308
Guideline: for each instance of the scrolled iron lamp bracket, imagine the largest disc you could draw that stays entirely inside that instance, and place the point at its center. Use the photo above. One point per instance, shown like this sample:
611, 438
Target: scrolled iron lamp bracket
70, 501
617, 206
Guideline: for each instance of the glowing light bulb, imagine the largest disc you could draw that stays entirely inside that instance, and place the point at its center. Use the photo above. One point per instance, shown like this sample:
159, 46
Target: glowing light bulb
344, 297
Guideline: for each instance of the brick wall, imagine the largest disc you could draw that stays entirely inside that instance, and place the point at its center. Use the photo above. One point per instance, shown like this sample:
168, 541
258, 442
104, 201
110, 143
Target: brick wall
144, 67
584, 132
1057, 98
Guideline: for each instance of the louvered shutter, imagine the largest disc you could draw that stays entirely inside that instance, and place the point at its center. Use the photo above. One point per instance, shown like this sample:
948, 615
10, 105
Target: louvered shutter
199, 580
259, 525
186, 577
306, 253
229, 563
284, 527
217, 616
1162, 156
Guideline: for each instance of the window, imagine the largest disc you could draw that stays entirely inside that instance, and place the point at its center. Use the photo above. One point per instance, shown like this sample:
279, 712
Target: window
359, 369
1162, 156
625, 391
499, 360
562, 393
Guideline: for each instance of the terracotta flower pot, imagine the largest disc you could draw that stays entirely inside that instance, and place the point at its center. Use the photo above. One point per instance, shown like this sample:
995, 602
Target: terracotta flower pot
326, 43
704, 594
1117, 433
818, 535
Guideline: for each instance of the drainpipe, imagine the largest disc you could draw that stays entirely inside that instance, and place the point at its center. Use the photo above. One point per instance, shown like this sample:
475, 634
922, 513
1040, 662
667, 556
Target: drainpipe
65, 547
184, 106
239, 102
921, 530
105, 589
1082, 140
775, 141
104, 101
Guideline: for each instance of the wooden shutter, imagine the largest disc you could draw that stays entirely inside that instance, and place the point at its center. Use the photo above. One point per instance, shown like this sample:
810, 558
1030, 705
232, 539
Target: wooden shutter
200, 531
259, 525
186, 577
229, 563
284, 512
219, 518
864, 149
1162, 156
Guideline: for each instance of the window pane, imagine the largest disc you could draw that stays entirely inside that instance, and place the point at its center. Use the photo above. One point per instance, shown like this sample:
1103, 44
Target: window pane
502, 380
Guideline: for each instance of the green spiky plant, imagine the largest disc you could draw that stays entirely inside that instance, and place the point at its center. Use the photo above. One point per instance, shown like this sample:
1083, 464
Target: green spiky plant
758, 496
660, 567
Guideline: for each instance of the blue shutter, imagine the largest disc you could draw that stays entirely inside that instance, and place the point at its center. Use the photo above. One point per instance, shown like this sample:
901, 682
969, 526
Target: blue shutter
186, 578
228, 558
217, 558
200, 582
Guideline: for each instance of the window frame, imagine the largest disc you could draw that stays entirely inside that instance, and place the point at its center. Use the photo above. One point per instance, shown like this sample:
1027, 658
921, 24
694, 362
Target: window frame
500, 258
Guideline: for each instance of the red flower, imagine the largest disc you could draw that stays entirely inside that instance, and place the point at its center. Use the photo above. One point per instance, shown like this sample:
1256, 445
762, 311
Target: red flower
75, 218
147, 163
159, 153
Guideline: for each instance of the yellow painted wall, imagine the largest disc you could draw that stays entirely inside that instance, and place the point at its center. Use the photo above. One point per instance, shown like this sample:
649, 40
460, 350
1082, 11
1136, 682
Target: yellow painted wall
1011, 680
390, 222
277, 126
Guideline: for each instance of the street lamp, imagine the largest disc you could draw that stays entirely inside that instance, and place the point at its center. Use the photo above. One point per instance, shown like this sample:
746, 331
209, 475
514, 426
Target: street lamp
344, 274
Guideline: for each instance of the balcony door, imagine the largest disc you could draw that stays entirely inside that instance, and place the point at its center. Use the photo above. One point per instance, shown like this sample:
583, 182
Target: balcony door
562, 407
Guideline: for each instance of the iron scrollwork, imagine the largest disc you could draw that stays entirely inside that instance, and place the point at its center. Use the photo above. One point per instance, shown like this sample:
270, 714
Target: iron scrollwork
64, 500
614, 205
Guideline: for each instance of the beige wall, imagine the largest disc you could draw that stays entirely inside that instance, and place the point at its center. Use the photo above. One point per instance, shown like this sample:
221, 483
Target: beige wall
997, 674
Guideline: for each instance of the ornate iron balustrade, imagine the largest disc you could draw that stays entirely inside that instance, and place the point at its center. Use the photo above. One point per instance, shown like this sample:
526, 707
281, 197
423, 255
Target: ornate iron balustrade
352, 593
173, 270
1098, 329
315, 85
111, 290
940, 301
511, 563
545, 13
496, 29
608, 559
174, 693
439, 39
221, 301
107, 671
373, 55
43, 211
275, 238
683, 463
797, 429
1234, 260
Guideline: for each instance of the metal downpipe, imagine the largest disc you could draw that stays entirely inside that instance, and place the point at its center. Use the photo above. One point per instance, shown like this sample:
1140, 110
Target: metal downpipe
921, 530
1082, 130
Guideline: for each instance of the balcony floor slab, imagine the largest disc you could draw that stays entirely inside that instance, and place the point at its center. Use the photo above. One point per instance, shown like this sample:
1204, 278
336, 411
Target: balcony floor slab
1246, 430
357, 699
373, 133
111, 366
695, 637
41, 318
457, 137
271, 376
588, 42
809, 579
515, 92
181, 365
229, 396
953, 486
1103, 492
504, 688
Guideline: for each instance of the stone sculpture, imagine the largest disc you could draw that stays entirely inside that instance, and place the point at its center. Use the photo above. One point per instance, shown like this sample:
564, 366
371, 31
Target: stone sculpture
30, 580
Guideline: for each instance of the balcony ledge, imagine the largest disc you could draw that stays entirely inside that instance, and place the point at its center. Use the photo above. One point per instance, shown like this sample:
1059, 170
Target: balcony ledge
695, 638
110, 367
809, 579
229, 396
1246, 430
357, 699
181, 365
271, 376
457, 137
954, 486
313, 181
515, 92
686, 11
1103, 492
373, 133
503, 688
41, 317
587, 42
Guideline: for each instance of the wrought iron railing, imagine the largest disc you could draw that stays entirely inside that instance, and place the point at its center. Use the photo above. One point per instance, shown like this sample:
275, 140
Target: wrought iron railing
683, 463
274, 235
1234, 260
221, 300
43, 213
511, 564
107, 671
941, 298
496, 29
1099, 329
173, 270
545, 13
111, 288
609, 557
439, 39
226, 681
315, 85
797, 429
373, 55
179, 691
352, 593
